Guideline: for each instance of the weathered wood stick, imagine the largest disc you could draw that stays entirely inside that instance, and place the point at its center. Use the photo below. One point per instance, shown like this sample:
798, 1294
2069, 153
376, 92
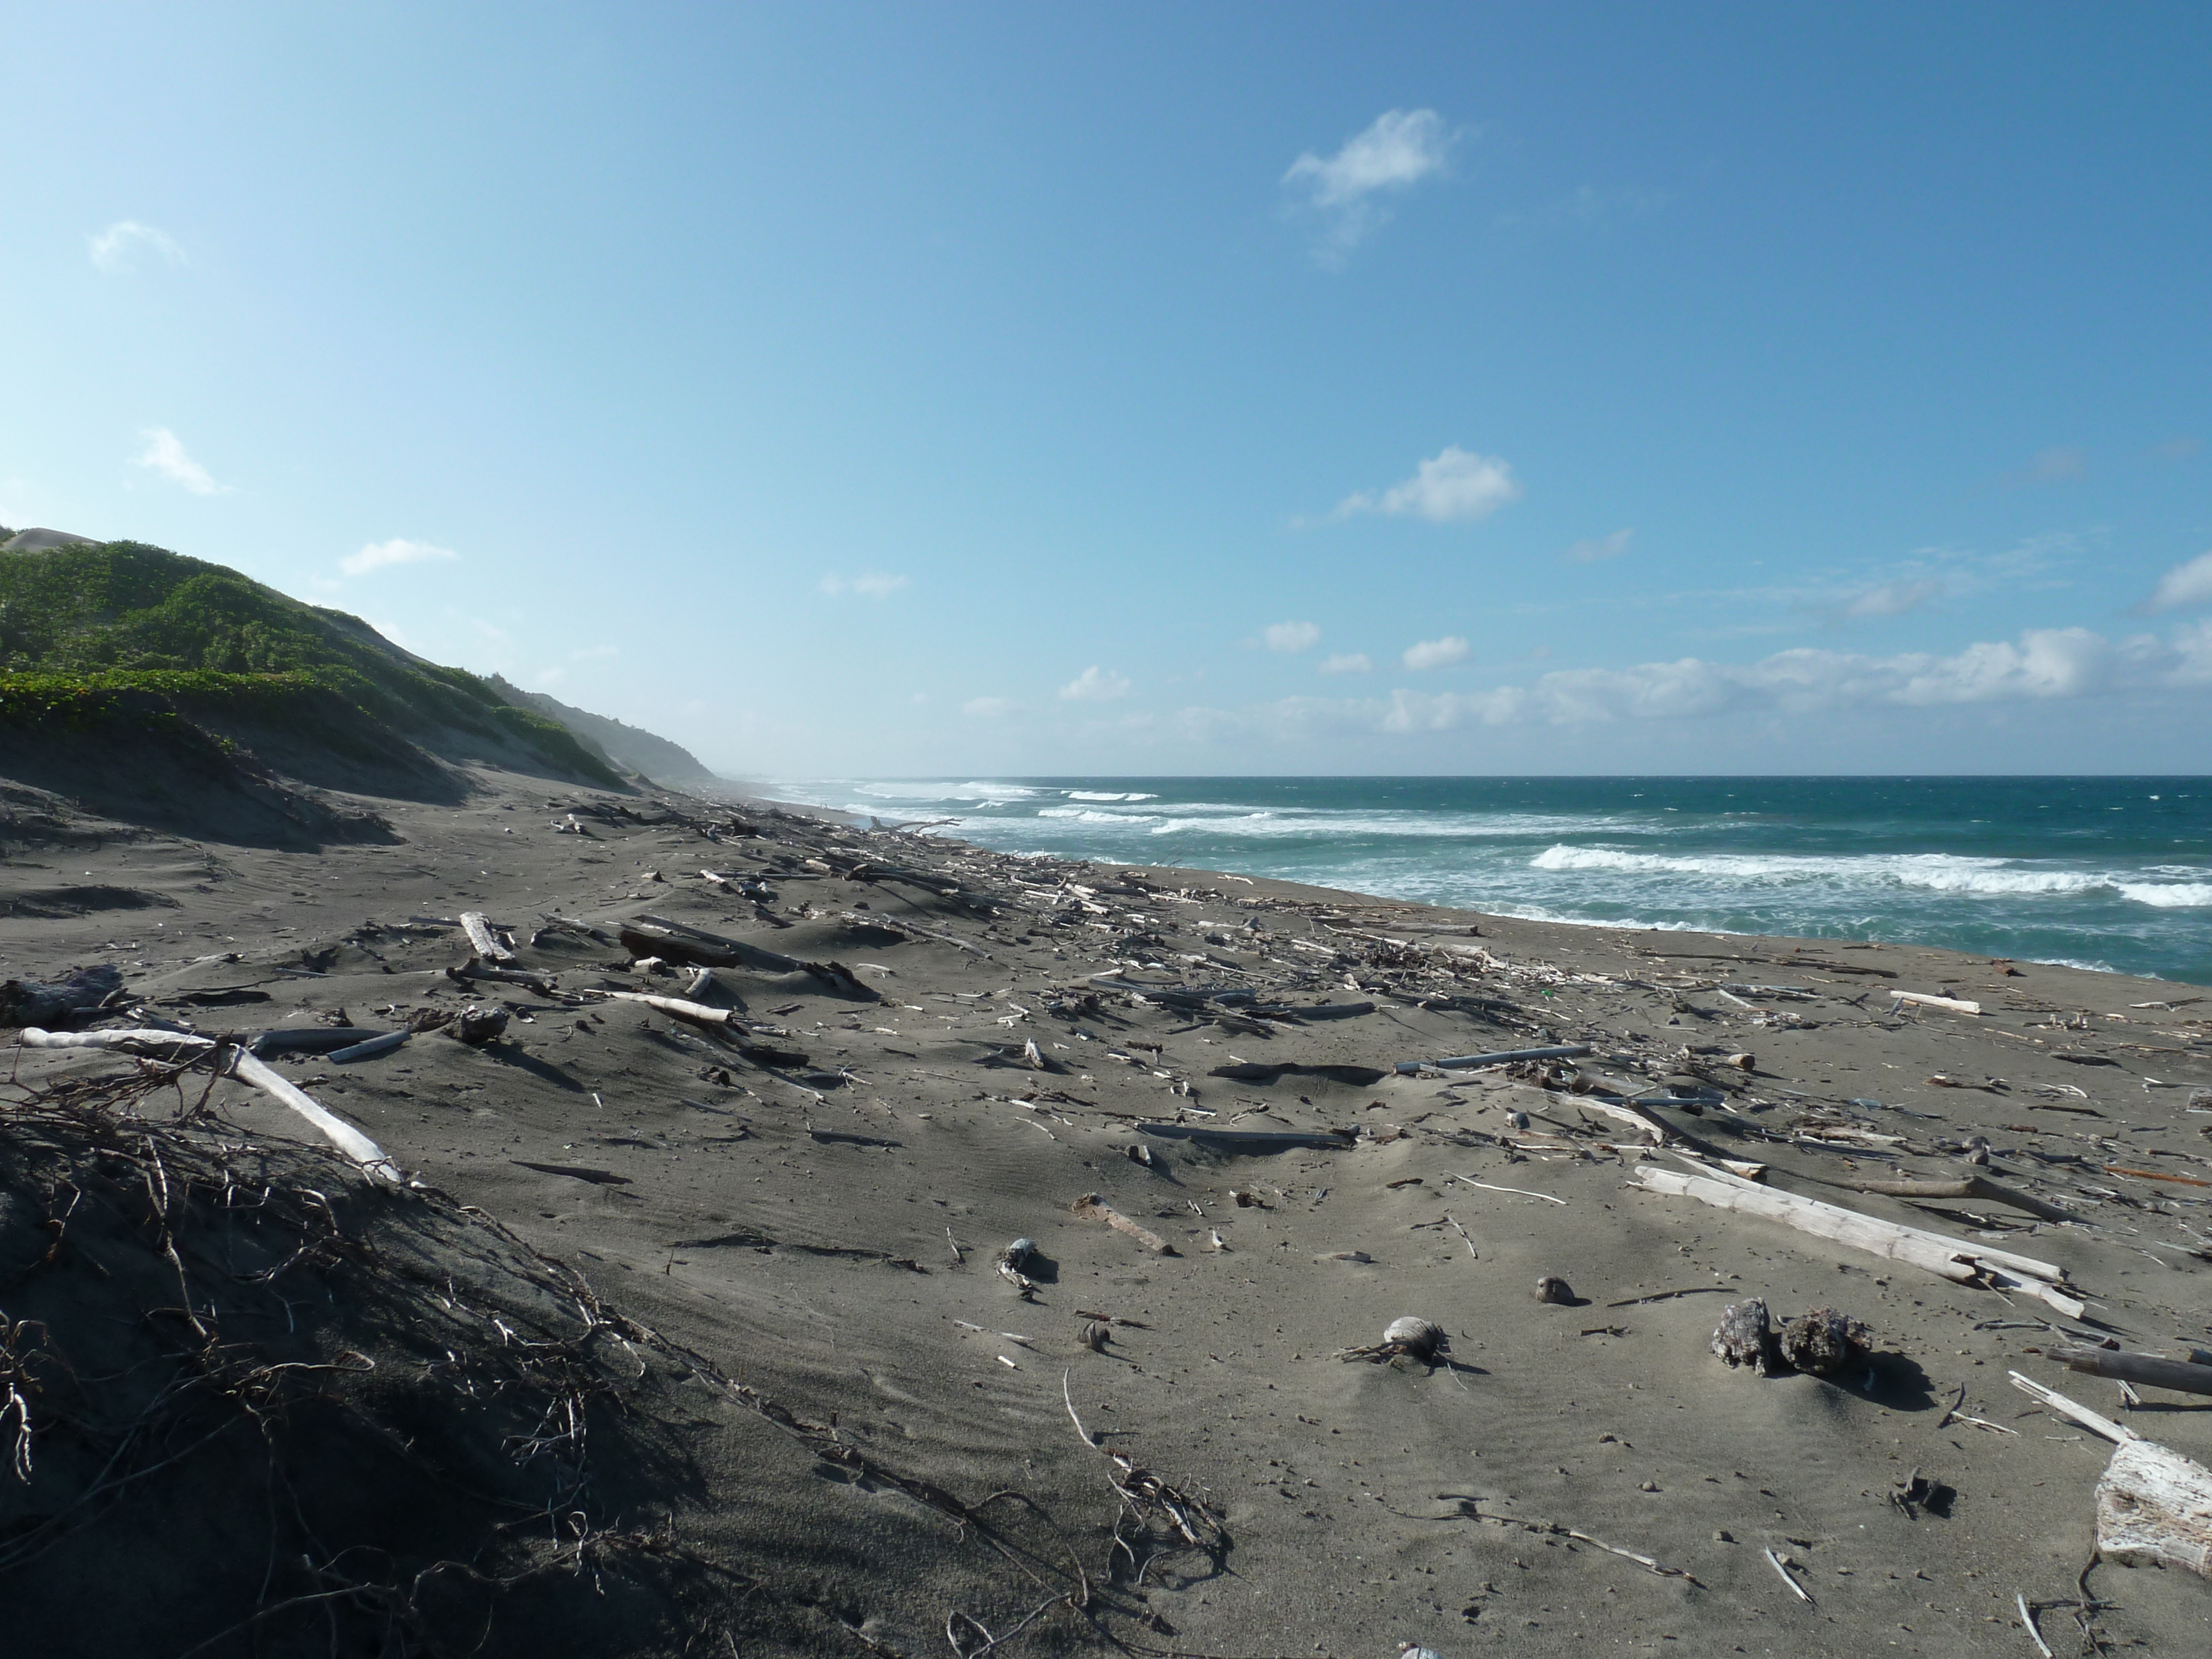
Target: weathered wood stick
1462, 1062
482, 939
2154, 1505
2158, 1372
1950, 1258
1953, 1004
1972, 1187
695, 1013
370, 1049
1092, 1207
2071, 1408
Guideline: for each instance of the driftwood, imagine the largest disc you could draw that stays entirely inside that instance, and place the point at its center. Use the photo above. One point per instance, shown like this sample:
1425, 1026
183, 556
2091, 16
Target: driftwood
1463, 1062
370, 1049
1823, 1342
482, 939
1980, 1187
674, 941
1092, 1207
341, 1135
1955, 1259
2152, 1369
1745, 1336
1251, 1140
312, 1039
2154, 1505
1954, 1004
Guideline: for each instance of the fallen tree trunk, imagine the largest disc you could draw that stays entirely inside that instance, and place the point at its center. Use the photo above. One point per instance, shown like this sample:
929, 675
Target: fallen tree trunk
2152, 1369
1954, 1258
673, 941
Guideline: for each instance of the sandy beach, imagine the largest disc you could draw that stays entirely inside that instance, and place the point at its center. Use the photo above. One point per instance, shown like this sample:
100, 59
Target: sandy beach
690, 1335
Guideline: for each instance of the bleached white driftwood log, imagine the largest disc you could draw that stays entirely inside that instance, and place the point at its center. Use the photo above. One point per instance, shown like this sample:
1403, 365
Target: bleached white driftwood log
1954, 1258
482, 939
339, 1133
2154, 1505
1955, 1005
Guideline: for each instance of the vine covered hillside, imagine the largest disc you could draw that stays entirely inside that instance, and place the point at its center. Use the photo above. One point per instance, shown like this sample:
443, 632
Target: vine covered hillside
88, 631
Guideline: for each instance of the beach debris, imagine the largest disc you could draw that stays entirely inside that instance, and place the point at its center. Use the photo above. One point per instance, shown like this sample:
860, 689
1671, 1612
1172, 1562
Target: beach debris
1782, 1567
477, 1026
63, 1001
1518, 1192
1551, 1288
1745, 1336
1823, 1342
1096, 1335
482, 940
1009, 1262
1956, 1258
2154, 1505
1503, 1057
2183, 1375
1411, 1337
1978, 1187
1951, 1005
675, 941
370, 1048
237, 1062
312, 1039
575, 1172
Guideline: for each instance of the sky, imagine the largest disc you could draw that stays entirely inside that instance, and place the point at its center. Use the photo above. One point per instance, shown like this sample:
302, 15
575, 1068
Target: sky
1008, 389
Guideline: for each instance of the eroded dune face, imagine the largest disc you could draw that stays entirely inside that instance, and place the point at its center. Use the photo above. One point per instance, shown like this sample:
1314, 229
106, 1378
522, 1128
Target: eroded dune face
804, 1392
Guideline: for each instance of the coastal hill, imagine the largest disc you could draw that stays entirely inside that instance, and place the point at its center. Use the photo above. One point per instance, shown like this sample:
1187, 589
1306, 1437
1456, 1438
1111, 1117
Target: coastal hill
628, 746
170, 691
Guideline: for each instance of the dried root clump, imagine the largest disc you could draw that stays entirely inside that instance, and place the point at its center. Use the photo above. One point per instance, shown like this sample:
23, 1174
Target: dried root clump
1412, 1337
1745, 1336
1552, 1289
1009, 1262
1823, 1342
477, 1026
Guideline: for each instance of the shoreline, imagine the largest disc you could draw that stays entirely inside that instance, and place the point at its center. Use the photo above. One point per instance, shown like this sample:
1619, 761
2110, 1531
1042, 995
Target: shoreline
822, 1229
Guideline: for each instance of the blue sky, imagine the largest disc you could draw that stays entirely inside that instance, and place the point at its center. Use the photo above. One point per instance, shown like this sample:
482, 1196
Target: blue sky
997, 389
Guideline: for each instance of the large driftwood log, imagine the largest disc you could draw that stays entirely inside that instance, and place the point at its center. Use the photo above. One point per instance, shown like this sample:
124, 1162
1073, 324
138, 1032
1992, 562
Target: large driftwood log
482, 939
1980, 1187
2154, 1505
2152, 1369
675, 941
1954, 1258
1954, 1004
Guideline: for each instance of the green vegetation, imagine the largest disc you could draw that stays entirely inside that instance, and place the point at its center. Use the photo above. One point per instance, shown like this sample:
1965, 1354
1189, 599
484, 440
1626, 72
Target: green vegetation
92, 634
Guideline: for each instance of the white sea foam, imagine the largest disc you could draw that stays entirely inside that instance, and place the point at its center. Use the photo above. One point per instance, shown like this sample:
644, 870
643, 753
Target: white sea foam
1100, 794
1940, 872
2168, 895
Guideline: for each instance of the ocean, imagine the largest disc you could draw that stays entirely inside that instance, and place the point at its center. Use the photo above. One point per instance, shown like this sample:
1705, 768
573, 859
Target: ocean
2108, 873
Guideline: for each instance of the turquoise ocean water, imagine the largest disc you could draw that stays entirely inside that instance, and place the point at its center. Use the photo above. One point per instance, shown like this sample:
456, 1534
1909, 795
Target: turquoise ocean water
2105, 872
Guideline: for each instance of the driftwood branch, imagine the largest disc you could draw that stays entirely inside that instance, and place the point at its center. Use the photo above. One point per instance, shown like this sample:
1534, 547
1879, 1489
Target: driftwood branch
1092, 1207
2158, 1372
1980, 1187
485, 942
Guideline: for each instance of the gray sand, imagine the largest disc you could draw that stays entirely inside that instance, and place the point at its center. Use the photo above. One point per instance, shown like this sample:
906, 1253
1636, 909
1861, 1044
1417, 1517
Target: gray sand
824, 1234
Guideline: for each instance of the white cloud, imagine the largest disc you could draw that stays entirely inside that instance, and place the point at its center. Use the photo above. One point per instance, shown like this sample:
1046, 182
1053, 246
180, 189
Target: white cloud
1454, 487
2186, 584
116, 250
2042, 665
1292, 635
1892, 599
165, 454
989, 708
1354, 662
1396, 152
1436, 653
2057, 465
872, 587
1600, 547
1095, 684
398, 550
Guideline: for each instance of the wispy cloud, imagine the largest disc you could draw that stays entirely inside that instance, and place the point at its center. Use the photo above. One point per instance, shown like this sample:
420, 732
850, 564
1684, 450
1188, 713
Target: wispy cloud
398, 550
2042, 666
1454, 487
1436, 653
2059, 464
1354, 662
1095, 684
1892, 599
871, 586
2176, 449
1292, 635
165, 454
1601, 547
2186, 584
989, 708
121, 246
1396, 152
